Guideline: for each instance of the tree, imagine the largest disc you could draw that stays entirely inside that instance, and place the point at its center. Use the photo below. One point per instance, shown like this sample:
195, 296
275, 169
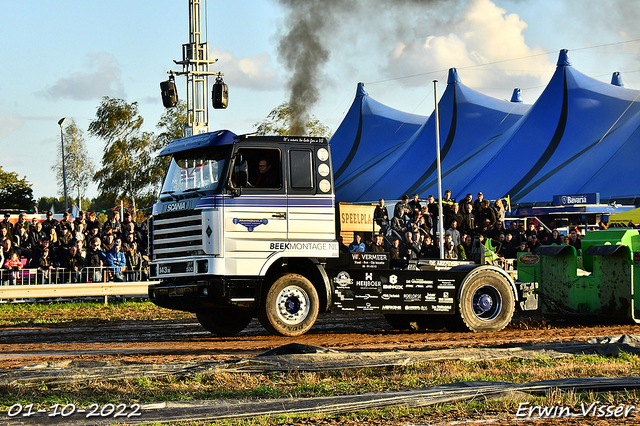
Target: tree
278, 123
79, 166
127, 163
15, 193
171, 126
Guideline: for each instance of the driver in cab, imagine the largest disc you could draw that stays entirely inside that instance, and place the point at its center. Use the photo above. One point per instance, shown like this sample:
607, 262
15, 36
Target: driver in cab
267, 178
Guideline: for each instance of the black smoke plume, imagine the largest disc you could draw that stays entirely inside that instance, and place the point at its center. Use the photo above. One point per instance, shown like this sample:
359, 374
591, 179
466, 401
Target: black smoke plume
312, 26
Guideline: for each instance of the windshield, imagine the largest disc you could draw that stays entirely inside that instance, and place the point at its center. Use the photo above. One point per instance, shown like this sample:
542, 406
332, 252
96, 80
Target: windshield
201, 171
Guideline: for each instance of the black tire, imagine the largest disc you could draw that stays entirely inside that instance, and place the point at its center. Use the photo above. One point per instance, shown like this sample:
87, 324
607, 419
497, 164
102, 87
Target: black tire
290, 307
487, 302
224, 321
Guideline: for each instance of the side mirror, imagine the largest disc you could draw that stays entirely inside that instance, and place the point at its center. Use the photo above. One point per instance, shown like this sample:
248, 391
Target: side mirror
239, 176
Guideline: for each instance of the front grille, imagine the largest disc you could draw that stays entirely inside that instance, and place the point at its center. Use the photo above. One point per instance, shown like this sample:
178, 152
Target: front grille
177, 234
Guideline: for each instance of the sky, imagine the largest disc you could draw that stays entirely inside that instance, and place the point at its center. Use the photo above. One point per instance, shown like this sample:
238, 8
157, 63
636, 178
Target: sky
60, 58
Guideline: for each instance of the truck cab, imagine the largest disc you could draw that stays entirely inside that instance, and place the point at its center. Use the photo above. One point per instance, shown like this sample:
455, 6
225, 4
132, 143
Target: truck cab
222, 235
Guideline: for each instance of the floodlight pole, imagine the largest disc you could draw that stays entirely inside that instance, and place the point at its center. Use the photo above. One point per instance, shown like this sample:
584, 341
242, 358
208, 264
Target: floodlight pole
440, 216
64, 173
195, 66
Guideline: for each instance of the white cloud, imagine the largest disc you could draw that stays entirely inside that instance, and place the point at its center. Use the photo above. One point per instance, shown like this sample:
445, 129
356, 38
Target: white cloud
482, 34
102, 78
9, 123
255, 72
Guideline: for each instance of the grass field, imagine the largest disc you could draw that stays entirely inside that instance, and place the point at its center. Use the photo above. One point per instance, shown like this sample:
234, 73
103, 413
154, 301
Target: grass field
45, 313
254, 386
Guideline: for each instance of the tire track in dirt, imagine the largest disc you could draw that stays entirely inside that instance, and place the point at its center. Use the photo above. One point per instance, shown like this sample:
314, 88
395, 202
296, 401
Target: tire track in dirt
171, 340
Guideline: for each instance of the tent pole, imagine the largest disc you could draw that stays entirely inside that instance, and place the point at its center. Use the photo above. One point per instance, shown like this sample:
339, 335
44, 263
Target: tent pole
440, 216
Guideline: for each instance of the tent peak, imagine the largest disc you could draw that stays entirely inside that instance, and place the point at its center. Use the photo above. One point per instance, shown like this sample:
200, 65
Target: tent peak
616, 79
517, 95
563, 58
453, 77
360, 90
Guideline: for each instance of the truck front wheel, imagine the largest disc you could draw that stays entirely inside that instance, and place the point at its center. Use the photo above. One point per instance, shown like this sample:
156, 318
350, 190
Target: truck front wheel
290, 306
486, 302
224, 321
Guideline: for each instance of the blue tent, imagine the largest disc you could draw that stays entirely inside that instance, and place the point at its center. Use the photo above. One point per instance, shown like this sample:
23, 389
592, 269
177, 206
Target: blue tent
375, 133
580, 136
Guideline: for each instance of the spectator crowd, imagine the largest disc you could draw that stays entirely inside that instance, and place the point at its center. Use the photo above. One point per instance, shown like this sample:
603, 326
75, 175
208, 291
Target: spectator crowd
77, 249
412, 232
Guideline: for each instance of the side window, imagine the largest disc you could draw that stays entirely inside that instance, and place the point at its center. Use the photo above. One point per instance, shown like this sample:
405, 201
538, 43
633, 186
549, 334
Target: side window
301, 167
264, 168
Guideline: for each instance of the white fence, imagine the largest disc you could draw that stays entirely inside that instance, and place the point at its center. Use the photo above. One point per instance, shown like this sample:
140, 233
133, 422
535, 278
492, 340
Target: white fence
33, 283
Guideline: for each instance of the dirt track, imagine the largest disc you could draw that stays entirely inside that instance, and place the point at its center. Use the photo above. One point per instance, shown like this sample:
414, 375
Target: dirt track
167, 340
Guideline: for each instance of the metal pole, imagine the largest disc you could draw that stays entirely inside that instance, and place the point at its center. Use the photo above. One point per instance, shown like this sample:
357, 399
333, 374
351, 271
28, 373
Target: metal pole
64, 173
440, 217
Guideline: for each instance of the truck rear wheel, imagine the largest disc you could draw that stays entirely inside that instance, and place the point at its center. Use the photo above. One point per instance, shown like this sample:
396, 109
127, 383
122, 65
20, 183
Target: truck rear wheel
290, 307
486, 302
224, 321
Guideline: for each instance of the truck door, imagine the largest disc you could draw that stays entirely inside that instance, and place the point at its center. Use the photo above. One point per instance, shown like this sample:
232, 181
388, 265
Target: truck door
257, 218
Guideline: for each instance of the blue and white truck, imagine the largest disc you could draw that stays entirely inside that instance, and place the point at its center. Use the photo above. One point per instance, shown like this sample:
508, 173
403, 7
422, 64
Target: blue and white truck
230, 250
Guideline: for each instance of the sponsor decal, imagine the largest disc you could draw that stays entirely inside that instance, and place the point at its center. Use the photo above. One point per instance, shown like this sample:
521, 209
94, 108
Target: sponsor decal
446, 284
529, 259
568, 199
392, 287
391, 308
342, 297
412, 297
445, 265
588, 198
371, 256
416, 308
302, 246
368, 307
419, 281
370, 260
441, 308
430, 297
445, 298
343, 279
390, 296
368, 284
366, 296
250, 224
